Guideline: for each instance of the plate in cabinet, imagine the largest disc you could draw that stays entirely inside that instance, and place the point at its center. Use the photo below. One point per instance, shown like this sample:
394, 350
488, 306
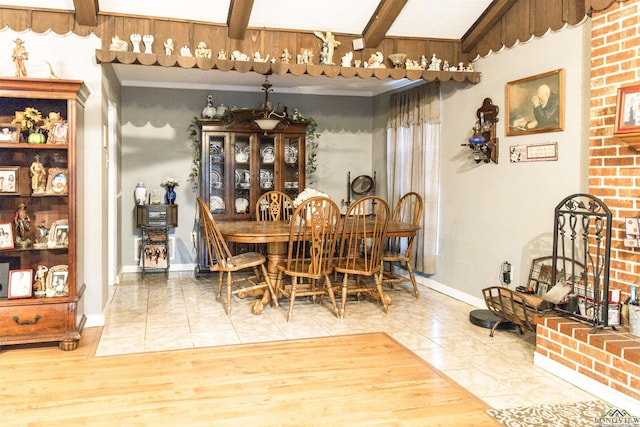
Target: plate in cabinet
290, 154
216, 204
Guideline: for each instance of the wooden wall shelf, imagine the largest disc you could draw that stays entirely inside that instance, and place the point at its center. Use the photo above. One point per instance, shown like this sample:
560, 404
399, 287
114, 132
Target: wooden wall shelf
152, 59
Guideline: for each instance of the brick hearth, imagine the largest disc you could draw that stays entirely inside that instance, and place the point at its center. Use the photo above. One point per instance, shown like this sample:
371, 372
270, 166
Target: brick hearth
610, 357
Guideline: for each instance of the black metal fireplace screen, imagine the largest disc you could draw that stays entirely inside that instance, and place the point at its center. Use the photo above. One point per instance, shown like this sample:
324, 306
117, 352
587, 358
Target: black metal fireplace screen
582, 237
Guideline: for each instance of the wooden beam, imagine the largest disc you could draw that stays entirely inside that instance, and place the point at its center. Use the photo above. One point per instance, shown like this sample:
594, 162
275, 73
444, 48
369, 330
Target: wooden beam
376, 30
485, 23
238, 19
86, 12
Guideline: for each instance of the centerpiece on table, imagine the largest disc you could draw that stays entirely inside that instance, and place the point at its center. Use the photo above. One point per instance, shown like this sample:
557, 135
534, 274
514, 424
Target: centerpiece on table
307, 193
170, 184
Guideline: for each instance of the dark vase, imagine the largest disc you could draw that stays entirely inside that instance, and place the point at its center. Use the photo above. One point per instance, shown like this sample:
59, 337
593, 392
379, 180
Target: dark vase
170, 195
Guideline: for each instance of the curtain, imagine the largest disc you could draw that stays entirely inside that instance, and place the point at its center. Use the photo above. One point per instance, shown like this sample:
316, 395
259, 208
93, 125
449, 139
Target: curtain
413, 154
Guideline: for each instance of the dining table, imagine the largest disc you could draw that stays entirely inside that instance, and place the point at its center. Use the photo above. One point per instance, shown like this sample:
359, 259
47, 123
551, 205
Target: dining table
276, 236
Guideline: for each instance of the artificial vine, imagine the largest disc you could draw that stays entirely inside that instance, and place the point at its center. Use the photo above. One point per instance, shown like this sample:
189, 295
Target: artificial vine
312, 146
194, 131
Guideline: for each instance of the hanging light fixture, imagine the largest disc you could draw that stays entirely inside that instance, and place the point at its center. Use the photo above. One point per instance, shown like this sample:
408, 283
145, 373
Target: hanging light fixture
268, 117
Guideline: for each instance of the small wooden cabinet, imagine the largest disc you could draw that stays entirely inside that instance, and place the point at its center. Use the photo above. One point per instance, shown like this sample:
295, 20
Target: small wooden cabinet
50, 239
240, 162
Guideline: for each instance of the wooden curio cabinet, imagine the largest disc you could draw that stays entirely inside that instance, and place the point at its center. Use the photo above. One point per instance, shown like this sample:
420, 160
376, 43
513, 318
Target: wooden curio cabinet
40, 210
240, 162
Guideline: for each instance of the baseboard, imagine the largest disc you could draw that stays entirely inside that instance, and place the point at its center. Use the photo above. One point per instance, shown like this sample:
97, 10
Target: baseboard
452, 292
94, 320
622, 401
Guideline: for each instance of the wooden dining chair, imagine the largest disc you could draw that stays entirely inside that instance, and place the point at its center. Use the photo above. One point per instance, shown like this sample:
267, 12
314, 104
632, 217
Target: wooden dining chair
400, 249
312, 244
221, 260
274, 206
361, 245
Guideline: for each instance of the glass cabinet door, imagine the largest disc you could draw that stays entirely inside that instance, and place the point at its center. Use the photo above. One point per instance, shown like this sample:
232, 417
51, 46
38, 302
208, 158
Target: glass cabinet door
216, 152
291, 167
242, 175
267, 150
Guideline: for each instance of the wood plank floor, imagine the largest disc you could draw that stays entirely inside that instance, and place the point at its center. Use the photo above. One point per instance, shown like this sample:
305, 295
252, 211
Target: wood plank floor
353, 380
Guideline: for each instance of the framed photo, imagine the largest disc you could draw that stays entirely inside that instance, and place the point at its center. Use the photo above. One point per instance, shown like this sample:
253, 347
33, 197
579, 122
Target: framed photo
9, 132
536, 104
627, 114
9, 180
20, 283
57, 281
58, 134
6, 235
59, 234
58, 181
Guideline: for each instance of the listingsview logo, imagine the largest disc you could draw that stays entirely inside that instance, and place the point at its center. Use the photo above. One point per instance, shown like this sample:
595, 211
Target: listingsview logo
616, 418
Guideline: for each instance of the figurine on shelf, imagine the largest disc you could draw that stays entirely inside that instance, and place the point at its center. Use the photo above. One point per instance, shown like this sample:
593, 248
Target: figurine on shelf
328, 46
136, 39
37, 176
19, 55
209, 110
346, 59
147, 39
202, 51
168, 47
40, 282
285, 58
435, 63
41, 241
22, 222
118, 45
222, 54
185, 51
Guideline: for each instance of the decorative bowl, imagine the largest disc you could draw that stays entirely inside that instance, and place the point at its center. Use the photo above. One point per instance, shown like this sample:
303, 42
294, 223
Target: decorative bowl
397, 59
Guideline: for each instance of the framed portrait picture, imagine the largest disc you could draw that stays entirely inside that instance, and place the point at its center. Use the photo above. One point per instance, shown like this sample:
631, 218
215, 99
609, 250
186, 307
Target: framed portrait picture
57, 281
9, 132
20, 283
627, 114
6, 235
536, 104
9, 180
59, 234
58, 134
58, 181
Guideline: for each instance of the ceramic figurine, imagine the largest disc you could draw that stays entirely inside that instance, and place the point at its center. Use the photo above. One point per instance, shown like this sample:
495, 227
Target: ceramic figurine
346, 59
328, 46
285, 58
209, 110
185, 51
19, 55
168, 47
202, 51
37, 172
147, 39
22, 223
222, 54
118, 45
136, 39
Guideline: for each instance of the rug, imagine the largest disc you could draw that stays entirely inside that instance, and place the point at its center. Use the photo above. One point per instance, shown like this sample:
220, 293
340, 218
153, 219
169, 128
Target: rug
576, 414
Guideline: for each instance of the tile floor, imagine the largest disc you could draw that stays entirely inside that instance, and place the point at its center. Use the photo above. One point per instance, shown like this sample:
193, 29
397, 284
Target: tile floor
181, 312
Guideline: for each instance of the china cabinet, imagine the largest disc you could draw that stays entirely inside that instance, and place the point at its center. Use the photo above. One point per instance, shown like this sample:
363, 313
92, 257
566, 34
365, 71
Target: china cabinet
240, 162
41, 214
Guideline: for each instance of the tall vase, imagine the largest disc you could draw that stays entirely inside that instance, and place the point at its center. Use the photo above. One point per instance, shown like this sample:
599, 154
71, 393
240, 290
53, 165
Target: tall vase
140, 194
170, 195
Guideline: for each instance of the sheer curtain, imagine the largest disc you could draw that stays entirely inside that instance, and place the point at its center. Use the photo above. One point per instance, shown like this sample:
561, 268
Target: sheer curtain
413, 152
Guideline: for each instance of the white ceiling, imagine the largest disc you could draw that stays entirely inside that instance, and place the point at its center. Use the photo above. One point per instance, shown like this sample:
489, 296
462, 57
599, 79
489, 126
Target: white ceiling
448, 19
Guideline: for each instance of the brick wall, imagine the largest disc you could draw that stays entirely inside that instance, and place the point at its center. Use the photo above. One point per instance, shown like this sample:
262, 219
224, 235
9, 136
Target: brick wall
614, 168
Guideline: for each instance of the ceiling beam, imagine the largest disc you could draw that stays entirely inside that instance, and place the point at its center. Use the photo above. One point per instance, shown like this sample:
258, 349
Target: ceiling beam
238, 19
485, 23
376, 30
86, 12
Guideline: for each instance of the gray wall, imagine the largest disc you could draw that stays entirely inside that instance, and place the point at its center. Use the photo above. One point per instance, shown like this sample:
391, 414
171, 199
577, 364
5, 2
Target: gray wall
156, 144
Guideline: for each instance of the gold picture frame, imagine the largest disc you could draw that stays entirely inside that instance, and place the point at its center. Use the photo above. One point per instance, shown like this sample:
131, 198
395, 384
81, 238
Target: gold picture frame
57, 281
535, 104
58, 234
58, 181
10, 132
59, 133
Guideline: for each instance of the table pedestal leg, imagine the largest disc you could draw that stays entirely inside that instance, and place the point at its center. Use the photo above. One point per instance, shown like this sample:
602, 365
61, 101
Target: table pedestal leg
276, 253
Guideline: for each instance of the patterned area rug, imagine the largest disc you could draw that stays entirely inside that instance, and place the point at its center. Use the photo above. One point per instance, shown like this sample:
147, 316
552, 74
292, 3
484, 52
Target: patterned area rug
577, 414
